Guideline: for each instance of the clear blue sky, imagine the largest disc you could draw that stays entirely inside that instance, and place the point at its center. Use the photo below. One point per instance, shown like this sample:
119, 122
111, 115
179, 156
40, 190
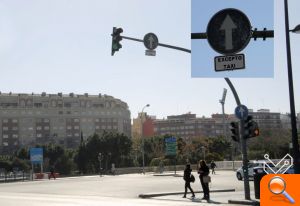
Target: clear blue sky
259, 55
59, 46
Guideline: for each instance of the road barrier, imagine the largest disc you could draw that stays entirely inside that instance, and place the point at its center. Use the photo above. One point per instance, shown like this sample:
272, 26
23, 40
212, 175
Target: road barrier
221, 165
14, 176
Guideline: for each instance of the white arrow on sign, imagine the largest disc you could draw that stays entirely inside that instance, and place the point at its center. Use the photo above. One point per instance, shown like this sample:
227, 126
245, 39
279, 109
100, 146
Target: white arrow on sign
228, 25
242, 111
151, 41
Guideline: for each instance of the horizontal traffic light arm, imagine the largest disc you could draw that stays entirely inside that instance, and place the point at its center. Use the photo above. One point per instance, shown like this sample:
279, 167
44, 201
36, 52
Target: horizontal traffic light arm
159, 44
256, 34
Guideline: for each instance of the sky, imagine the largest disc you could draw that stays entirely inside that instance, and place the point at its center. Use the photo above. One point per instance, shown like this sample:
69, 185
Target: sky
259, 55
65, 46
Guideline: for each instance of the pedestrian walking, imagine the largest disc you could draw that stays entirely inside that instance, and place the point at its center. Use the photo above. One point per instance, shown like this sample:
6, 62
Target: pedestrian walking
188, 178
212, 167
52, 174
203, 172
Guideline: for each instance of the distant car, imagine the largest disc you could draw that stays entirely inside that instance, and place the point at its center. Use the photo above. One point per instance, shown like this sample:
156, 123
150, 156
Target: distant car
260, 170
253, 168
251, 165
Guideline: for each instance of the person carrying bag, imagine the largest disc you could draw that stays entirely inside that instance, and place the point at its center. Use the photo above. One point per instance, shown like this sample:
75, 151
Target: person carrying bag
188, 178
205, 179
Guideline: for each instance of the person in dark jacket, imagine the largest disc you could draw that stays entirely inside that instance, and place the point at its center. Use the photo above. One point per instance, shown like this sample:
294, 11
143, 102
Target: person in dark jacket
52, 173
187, 179
212, 167
204, 171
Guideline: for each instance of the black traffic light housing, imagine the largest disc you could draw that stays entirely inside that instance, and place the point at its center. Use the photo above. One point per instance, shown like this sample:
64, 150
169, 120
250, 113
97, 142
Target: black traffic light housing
235, 131
251, 128
116, 38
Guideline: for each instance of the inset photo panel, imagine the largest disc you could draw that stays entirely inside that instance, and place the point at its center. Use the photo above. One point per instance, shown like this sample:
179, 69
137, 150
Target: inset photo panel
232, 38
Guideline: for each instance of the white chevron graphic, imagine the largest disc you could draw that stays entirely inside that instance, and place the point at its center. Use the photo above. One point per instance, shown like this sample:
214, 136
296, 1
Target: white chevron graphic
286, 164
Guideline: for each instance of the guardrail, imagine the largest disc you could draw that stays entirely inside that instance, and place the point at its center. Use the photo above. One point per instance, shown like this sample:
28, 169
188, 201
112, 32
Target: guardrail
14, 176
221, 165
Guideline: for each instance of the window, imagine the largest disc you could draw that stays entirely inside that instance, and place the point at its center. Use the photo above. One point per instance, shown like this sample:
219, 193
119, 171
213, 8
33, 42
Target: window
46, 127
5, 144
38, 128
15, 136
76, 127
5, 128
5, 136
14, 120
67, 105
76, 134
69, 127
76, 120
38, 135
46, 120
15, 128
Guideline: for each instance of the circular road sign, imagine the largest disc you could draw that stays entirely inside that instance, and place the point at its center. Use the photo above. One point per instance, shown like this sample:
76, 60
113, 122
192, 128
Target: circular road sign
229, 31
150, 41
241, 112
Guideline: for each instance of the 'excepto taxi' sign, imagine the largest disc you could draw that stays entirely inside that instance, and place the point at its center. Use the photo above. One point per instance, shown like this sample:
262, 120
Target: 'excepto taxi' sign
229, 62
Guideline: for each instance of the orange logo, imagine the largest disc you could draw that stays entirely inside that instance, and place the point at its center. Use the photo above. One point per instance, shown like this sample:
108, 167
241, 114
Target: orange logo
279, 189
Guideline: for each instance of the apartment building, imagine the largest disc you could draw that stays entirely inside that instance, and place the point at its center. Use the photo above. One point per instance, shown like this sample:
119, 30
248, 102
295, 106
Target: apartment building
29, 119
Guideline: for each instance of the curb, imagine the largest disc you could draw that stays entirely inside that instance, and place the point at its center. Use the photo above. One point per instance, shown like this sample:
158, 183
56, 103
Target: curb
179, 193
162, 175
244, 202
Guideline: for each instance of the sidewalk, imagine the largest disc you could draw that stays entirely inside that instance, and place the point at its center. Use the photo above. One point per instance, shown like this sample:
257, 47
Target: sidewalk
220, 197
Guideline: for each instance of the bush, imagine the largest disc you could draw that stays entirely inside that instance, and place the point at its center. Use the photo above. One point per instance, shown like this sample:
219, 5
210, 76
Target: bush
155, 162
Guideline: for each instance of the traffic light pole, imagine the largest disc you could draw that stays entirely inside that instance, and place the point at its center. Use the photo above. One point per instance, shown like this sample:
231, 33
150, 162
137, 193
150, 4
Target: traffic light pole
243, 143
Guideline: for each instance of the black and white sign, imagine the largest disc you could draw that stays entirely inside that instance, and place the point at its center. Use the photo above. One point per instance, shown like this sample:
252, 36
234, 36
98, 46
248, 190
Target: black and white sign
229, 62
150, 41
150, 53
229, 31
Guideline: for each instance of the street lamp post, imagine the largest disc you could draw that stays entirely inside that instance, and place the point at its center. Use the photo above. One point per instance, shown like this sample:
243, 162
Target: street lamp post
296, 153
100, 159
203, 150
142, 136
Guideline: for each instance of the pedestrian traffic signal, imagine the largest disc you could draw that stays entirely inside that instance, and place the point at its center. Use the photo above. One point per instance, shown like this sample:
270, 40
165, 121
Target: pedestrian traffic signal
251, 128
235, 131
116, 38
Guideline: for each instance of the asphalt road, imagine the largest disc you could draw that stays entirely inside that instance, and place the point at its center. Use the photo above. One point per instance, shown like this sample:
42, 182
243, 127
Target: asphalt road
111, 190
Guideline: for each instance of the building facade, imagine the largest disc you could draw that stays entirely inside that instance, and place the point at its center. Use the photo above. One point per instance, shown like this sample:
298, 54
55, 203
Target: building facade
188, 125
29, 119
143, 121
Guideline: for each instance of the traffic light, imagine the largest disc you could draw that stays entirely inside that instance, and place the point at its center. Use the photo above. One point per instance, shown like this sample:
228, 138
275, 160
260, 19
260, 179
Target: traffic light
251, 128
116, 38
235, 131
